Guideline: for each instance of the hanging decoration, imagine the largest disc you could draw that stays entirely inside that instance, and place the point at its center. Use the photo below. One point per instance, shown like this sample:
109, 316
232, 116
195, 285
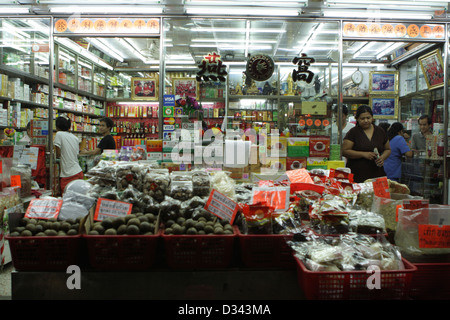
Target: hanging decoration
260, 67
302, 72
211, 68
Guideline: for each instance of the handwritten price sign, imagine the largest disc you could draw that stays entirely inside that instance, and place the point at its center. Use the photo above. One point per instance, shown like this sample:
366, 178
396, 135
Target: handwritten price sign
111, 209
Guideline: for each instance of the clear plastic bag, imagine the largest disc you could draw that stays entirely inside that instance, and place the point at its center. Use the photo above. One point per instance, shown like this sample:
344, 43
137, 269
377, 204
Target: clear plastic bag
421, 233
201, 183
222, 182
181, 190
75, 205
129, 173
156, 184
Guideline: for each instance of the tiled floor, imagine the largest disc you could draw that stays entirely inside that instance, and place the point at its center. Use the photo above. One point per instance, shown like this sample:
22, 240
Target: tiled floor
5, 281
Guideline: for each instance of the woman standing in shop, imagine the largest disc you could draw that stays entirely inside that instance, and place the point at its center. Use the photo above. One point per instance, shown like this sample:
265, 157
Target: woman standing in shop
67, 147
393, 164
366, 147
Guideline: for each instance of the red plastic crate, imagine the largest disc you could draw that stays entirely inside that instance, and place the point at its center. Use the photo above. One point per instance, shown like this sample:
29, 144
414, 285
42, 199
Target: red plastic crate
266, 250
431, 281
122, 252
53, 253
198, 251
352, 285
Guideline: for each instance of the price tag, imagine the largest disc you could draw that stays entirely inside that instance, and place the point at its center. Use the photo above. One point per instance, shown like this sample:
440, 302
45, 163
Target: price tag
434, 236
44, 208
381, 188
277, 197
413, 204
221, 206
111, 209
16, 181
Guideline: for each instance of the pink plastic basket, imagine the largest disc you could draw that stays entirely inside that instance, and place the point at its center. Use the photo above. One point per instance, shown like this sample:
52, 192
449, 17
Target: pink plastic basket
53, 253
198, 251
352, 285
431, 281
266, 250
122, 252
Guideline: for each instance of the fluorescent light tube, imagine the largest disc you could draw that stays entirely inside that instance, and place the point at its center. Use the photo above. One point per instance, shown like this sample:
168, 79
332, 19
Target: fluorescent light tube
125, 9
18, 9
380, 14
105, 49
243, 11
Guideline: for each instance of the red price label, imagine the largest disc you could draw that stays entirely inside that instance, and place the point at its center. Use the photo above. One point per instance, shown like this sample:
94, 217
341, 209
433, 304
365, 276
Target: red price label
381, 188
221, 206
16, 181
111, 209
44, 208
433, 236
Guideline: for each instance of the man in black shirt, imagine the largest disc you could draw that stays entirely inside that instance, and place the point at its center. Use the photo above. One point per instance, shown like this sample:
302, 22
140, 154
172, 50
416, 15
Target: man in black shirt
107, 141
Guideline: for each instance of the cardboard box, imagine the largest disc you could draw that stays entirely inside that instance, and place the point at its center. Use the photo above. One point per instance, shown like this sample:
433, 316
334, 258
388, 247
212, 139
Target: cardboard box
316, 163
298, 147
277, 144
293, 163
154, 156
334, 164
274, 164
319, 146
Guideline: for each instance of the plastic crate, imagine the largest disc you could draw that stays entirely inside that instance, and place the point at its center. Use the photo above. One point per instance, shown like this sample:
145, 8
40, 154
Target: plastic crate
431, 281
266, 250
198, 251
122, 252
352, 285
53, 253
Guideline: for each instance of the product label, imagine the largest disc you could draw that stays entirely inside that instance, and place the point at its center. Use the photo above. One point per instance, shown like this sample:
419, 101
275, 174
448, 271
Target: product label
277, 197
221, 206
44, 208
381, 188
111, 209
434, 236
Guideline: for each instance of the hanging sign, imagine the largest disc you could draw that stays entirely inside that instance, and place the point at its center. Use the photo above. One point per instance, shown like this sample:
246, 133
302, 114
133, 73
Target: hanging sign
211, 68
260, 67
393, 30
302, 72
107, 26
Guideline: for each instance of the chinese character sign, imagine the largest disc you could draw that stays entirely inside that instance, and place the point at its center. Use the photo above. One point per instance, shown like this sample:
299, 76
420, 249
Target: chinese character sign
212, 68
302, 73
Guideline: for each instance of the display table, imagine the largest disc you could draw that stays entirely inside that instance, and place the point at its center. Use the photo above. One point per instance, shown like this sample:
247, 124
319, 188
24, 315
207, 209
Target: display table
161, 284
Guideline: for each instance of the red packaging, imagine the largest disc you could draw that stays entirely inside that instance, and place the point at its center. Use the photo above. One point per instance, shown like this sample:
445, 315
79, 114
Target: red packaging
293, 163
319, 146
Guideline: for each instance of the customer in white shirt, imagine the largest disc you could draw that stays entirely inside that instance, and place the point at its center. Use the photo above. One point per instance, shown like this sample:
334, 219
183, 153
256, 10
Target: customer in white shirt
67, 147
346, 126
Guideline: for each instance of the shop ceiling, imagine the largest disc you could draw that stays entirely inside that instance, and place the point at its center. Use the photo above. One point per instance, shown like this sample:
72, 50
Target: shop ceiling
191, 34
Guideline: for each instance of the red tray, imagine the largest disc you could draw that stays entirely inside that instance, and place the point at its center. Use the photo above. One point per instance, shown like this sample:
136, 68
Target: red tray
198, 251
352, 285
53, 253
266, 250
122, 252
431, 281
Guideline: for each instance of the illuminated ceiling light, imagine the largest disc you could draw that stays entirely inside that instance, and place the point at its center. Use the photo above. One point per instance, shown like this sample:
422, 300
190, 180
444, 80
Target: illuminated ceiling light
14, 10
376, 14
438, 4
100, 45
253, 30
242, 11
125, 9
85, 53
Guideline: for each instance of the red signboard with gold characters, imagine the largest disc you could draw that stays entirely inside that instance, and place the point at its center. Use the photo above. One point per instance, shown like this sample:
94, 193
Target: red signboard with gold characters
377, 29
92, 25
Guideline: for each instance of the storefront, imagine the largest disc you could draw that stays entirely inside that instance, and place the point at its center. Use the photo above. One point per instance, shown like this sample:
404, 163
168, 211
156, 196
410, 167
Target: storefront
280, 84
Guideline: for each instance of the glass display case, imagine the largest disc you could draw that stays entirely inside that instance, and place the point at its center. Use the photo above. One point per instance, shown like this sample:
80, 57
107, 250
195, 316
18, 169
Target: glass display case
99, 81
409, 76
84, 75
66, 67
118, 86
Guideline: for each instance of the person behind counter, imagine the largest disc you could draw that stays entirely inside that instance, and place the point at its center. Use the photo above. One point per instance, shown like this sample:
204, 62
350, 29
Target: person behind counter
27, 137
67, 147
346, 126
107, 142
419, 139
366, 147
399, 147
